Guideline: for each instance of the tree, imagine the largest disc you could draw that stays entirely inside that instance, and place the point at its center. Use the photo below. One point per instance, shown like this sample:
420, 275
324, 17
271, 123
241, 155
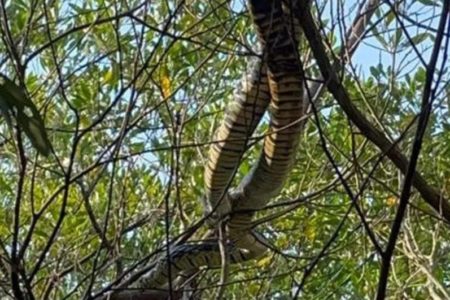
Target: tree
131, 93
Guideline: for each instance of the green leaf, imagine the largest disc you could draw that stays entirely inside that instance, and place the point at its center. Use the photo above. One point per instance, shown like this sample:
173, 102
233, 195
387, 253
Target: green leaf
14, 101
428, 2
419, 38
421, 75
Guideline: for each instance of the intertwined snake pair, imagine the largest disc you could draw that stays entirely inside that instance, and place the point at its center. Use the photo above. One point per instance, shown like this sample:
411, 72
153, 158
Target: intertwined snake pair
275, 83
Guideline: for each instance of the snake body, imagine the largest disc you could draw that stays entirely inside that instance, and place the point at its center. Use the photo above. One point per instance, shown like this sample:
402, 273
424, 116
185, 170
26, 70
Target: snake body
273, 83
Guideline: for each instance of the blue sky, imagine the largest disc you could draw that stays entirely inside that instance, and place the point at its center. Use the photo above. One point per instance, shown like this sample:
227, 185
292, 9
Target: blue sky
370, 52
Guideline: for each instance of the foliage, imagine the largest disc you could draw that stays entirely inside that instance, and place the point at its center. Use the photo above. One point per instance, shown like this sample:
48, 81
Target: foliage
131, 92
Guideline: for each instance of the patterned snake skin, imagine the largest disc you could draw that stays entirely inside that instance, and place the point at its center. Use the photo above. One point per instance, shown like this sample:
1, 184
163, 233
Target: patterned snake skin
273, 83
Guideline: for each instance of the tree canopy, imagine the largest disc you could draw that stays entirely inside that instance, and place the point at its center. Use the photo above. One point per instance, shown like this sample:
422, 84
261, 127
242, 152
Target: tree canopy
109, 111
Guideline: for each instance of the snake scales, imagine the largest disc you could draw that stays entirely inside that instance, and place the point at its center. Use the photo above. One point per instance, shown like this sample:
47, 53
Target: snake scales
274, 83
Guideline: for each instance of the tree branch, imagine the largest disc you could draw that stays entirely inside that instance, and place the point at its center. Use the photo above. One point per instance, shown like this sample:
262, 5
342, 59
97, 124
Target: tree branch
334, 85
427, 101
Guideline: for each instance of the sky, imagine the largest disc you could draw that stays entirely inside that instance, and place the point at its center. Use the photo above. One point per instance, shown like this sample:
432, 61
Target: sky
370, 52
